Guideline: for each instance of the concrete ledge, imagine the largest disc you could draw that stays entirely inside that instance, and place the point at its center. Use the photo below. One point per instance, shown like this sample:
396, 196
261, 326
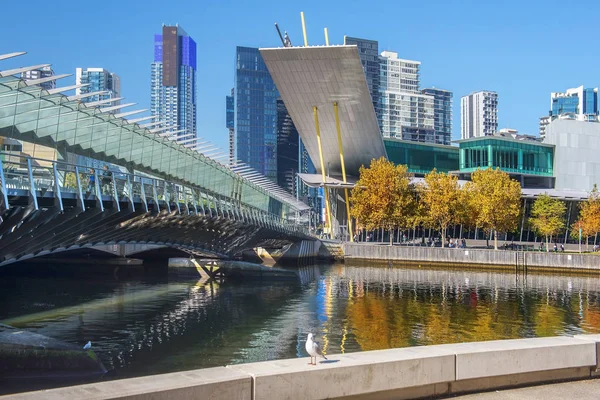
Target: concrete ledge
508, 357
351, 374
211, 383
413, 372
595, 339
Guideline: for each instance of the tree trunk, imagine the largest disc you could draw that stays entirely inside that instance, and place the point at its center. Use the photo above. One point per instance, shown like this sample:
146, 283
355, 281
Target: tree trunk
547, 244
443, 229
391, 236
495, 240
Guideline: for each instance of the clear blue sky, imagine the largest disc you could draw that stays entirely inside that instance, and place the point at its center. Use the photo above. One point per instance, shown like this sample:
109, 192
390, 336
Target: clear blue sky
522, 49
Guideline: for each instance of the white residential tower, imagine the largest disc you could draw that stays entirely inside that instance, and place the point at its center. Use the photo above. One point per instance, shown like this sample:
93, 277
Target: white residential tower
479, 114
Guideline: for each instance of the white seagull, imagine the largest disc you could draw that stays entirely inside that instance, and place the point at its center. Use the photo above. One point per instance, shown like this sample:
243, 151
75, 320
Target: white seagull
87, 346
313, 349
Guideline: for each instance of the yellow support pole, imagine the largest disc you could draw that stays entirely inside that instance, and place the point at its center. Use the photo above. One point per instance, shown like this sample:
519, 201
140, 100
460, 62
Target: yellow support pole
304, 29
326, 37
339, 135
327, 208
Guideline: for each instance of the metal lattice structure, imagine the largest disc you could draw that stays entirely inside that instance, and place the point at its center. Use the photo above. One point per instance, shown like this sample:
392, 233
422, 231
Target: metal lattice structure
170, 189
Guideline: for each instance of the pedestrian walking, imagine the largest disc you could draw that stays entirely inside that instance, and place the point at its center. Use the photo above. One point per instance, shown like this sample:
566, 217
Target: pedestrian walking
106, 180
92, 181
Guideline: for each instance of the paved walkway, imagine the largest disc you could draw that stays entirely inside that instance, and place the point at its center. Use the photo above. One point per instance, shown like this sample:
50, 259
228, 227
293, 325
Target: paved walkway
580, 390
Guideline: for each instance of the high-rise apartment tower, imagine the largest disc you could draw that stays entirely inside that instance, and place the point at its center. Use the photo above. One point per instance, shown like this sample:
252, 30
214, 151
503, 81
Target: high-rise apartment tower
479, 114
98, 79
173, 80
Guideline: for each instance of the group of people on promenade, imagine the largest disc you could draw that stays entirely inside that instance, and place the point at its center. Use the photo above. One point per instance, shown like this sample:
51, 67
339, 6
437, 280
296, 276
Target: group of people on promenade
105, 181
555, 249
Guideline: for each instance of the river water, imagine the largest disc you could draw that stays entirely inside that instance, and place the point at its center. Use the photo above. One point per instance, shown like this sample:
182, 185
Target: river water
149, 326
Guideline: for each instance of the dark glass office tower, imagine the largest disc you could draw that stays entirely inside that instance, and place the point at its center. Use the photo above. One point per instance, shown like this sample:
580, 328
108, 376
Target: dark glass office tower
255, 119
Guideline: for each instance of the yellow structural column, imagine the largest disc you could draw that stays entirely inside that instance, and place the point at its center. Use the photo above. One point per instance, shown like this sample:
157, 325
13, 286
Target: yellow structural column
326, 37
339, 135
304, 29
327, 208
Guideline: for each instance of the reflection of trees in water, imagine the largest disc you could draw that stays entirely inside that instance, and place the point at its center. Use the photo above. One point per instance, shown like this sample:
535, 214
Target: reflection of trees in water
404, 307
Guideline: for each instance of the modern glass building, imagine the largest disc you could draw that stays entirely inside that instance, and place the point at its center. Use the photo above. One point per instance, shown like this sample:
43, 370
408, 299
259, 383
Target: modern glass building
173, 80
255, 112
442, 114
97, 79
368, 51
288, 154
564, 105
422, 158
579, 101
506, 154
530, 162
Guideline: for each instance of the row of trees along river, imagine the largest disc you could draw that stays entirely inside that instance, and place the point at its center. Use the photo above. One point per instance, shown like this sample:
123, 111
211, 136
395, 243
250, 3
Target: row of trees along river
386, 197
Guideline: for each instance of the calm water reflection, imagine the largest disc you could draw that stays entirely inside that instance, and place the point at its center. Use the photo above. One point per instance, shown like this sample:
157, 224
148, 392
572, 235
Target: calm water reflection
140, 328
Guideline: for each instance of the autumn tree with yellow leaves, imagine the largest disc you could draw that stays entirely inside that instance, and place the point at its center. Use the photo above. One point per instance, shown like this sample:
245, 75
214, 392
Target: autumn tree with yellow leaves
496, 201
548, 217
439, 195
589, 216
383, 196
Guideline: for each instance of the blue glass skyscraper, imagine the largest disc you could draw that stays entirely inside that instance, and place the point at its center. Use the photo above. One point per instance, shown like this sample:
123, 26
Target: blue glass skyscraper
173, 80
255, 119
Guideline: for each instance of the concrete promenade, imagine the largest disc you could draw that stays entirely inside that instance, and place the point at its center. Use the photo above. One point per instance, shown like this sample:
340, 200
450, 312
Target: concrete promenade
405, 373
499, 258
581, 390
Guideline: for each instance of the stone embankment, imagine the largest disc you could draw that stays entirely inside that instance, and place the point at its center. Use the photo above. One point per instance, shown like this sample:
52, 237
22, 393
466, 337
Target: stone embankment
406, 373
499, 258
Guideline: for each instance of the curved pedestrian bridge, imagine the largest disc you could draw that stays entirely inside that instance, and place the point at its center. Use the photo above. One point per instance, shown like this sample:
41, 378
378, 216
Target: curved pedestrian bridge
164, 192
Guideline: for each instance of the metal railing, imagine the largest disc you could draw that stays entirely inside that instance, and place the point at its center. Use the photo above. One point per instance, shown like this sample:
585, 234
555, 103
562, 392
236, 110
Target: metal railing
59, 179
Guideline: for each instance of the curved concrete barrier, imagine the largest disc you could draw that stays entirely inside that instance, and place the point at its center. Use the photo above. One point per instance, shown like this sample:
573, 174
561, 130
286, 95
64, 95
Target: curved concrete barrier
406, 373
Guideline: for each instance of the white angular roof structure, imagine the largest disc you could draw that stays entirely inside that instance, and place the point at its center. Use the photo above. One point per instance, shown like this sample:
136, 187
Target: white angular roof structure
319, 76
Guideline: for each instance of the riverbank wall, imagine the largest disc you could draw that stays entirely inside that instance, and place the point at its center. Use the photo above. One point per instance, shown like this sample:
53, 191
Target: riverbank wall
405, 373
498, 258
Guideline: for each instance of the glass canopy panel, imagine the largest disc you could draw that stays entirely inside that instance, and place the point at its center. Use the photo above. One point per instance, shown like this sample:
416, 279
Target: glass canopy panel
31, 114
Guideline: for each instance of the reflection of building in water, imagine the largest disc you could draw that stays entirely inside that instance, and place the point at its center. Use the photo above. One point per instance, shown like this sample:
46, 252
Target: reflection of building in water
169, 323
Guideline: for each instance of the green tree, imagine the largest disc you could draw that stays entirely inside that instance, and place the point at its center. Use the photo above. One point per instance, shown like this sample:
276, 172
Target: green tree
547, 217
496, 199
383, 196
439, 196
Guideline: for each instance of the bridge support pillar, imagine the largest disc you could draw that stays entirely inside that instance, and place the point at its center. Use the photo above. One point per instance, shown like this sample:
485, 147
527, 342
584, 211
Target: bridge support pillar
212, 271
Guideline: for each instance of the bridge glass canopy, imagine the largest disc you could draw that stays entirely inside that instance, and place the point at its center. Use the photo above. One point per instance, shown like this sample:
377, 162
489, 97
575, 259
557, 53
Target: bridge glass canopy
32, 114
